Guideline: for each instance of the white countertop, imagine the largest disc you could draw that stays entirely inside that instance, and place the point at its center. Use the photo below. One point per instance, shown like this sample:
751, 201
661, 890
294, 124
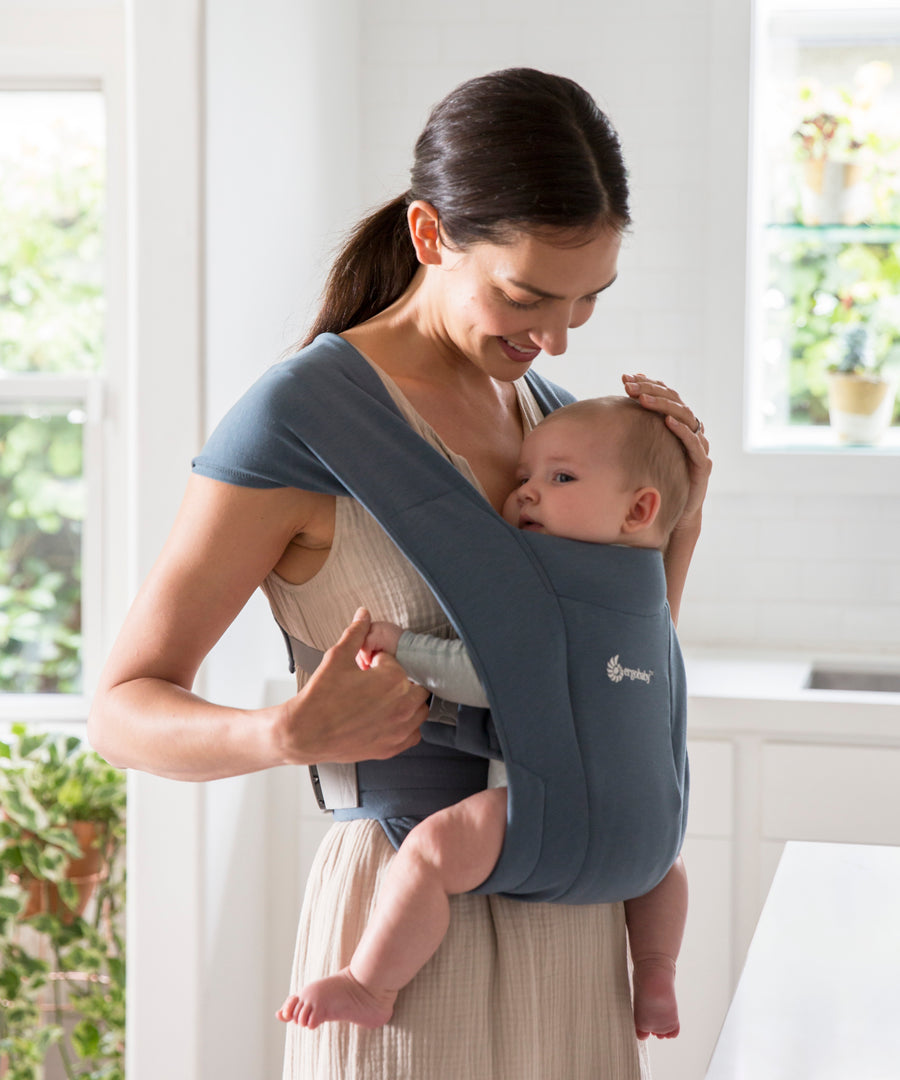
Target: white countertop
726, 674
819, 995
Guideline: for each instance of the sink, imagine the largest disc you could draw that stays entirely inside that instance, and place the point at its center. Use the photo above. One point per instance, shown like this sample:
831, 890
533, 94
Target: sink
828, 678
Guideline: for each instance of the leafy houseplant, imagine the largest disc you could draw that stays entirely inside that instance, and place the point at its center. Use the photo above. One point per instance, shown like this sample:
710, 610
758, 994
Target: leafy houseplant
860, 399
62, 960
842, 143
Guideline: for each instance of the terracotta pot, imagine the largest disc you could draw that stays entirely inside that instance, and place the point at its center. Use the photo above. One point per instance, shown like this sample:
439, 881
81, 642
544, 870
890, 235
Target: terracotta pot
84, 873
859, 407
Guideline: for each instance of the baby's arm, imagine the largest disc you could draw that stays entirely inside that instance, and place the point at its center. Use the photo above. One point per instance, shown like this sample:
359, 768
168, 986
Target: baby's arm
441, 665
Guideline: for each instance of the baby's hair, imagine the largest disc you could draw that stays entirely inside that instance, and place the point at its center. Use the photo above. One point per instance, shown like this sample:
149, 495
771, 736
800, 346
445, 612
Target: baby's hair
650, 453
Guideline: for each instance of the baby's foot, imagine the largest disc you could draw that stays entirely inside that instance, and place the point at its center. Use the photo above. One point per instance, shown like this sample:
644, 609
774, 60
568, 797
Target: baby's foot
338, 997
655, 1005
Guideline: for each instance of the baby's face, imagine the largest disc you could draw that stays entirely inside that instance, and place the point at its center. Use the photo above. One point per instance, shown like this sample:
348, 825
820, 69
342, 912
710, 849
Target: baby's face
570, 483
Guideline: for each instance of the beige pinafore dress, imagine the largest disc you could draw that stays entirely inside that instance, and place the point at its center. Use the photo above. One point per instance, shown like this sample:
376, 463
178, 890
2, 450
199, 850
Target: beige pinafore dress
517, 991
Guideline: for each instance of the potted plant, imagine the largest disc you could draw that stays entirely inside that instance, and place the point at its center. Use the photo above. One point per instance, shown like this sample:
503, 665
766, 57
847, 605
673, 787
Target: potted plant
831, 183
860, 398
837, 142
62, 885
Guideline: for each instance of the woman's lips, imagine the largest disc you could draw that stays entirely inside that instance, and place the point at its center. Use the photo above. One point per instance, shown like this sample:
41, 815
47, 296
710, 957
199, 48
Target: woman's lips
519, 353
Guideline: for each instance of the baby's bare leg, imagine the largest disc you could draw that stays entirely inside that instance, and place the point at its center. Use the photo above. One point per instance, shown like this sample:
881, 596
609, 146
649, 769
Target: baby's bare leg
450, 852
655, 929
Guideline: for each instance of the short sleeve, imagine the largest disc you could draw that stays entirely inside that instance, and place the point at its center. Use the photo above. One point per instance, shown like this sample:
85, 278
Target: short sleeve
257, 444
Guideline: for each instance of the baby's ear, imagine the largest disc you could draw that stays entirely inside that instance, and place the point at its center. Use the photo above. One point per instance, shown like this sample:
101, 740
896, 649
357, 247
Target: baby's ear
642, 512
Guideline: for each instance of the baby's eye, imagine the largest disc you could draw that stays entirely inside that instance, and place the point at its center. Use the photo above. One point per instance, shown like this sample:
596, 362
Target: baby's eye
563, 478
521, 481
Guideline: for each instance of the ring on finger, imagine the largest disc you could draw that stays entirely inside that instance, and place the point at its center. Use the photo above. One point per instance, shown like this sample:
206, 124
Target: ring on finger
698, 430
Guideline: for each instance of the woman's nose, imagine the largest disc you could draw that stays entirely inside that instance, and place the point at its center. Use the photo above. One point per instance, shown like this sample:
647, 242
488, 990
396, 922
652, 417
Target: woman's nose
552, 335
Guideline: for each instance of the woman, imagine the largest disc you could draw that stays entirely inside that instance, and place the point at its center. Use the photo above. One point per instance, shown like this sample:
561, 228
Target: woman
509, 232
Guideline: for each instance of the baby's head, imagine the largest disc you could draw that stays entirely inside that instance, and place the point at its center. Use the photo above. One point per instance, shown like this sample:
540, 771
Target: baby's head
604, 470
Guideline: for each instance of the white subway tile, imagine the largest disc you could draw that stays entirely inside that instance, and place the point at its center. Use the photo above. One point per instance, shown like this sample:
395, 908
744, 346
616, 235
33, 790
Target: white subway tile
702, 624
800, 626
872, 626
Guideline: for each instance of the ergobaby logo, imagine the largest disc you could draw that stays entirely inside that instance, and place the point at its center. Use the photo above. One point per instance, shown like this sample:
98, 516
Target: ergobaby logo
617, 672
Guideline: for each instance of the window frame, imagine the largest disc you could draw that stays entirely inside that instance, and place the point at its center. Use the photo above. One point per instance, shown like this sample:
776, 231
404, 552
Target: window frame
726, 400
56, 48
148, 55
829, 23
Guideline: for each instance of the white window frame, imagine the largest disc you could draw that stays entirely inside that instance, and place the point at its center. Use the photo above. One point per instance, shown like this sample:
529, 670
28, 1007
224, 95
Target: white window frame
825, 22
726, 400
147, 56
42, 50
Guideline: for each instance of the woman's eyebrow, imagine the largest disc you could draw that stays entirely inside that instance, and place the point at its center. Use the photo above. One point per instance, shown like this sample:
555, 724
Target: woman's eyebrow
553, 296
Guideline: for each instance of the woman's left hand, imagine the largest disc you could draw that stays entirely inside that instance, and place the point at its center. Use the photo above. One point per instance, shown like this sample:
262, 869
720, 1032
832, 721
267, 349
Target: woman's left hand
660, 398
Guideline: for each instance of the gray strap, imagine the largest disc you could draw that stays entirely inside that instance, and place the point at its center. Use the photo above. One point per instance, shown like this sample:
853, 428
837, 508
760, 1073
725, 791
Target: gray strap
334, 784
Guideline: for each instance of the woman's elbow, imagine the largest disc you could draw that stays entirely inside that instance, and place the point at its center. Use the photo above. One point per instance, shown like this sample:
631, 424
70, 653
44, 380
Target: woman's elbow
100, 732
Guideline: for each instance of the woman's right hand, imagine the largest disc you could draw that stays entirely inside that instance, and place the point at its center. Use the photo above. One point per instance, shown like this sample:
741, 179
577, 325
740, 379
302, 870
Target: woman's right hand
356, 714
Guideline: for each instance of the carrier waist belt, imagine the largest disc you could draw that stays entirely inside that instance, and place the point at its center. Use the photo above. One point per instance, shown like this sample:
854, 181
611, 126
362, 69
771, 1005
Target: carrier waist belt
401, 791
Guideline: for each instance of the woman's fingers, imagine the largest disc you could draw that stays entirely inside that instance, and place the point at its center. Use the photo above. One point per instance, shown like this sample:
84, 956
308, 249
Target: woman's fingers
348, 714
658, 397
681, 421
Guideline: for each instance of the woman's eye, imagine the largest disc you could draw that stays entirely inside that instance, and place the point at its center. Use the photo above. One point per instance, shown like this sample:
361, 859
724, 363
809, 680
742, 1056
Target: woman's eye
519, 305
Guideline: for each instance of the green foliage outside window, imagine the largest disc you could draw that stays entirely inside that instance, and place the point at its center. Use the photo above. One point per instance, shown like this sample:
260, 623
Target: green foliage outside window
51, 323
41, 511
818, 287
51, 257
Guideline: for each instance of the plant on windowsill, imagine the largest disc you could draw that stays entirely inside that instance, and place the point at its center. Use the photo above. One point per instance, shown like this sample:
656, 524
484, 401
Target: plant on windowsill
841, 142
62, 890
860, 397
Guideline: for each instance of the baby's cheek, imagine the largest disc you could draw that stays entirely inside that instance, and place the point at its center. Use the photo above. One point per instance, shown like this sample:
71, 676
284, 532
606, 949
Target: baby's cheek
510, 509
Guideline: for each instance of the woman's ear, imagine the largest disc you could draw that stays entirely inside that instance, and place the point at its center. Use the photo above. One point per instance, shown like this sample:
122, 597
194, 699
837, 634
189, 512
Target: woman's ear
425, 232
642, 512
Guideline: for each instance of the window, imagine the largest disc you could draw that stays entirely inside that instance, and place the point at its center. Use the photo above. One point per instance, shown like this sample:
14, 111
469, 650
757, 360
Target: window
824, 299
52, 300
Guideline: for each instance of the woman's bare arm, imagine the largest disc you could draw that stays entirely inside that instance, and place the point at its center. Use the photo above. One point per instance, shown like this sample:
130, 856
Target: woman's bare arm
660, 398
145, 716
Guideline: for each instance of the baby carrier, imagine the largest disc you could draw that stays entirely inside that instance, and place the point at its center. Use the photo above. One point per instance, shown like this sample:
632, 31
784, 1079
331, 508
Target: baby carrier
573, 642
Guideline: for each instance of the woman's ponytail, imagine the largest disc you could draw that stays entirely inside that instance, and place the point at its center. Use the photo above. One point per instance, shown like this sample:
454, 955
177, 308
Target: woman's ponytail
372, 270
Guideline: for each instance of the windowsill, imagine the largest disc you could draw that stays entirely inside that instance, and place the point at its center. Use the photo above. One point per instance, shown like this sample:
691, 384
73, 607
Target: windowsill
43, 709
820, 440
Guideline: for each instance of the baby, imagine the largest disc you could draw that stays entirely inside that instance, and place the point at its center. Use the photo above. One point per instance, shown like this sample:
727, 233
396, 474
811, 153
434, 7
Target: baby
605, 471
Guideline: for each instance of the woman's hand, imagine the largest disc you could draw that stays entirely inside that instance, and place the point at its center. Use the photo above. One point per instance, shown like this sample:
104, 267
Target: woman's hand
660, 398
356, 714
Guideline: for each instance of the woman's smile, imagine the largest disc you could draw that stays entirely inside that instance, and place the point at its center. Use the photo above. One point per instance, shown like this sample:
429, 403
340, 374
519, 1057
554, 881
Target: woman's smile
525, 354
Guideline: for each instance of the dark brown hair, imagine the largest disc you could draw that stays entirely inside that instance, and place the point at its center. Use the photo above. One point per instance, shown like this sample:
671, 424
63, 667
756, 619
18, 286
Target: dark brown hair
516, 150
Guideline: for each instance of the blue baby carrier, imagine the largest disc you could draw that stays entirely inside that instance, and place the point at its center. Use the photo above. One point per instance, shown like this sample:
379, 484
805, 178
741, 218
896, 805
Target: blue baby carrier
573, 642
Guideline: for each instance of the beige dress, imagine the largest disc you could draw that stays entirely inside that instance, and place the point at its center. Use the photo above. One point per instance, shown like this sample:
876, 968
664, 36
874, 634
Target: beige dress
517, 991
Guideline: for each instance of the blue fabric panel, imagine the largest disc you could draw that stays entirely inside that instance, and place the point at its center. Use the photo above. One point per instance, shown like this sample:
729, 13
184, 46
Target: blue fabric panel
595, 753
